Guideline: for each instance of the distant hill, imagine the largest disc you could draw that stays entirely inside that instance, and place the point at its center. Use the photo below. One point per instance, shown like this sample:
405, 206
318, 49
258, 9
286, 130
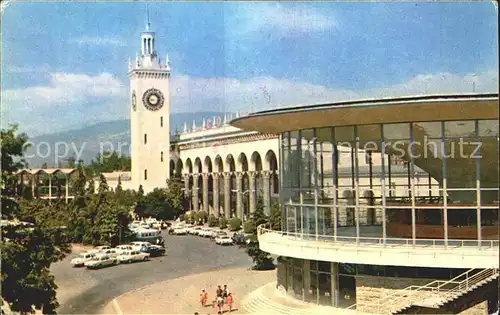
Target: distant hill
85, 143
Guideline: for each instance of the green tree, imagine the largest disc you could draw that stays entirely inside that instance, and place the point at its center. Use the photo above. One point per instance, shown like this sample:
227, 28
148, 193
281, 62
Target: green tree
103, 185
119, 188
91, 187
275, 216
27, 254
212, 221
261, 259
201, 217
12, 148
222, 222
235, 224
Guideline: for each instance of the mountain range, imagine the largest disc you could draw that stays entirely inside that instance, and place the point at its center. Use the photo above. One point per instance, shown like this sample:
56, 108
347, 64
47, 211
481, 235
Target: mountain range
86, 143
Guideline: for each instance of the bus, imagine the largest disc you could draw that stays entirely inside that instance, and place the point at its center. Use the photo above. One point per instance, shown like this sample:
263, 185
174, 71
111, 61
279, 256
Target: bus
147, 235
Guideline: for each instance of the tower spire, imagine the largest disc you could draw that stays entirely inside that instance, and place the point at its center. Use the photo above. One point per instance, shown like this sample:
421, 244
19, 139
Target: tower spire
148, 25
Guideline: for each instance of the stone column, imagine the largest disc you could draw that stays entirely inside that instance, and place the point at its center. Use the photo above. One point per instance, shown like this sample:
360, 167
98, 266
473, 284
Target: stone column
33, 185
335, 283
195, 192
307, 292
265, 186
252, 201
239, 195
67, 187
227, 195
205, 192
215, 193
186, 186
50, 188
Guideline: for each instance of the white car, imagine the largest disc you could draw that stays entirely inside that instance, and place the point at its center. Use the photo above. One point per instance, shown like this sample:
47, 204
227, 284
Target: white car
132, 255
100, 261
110, 252
205, 232
195, 230
99, 249
218, 234
224, 240
180, 231
80, 260
121, 248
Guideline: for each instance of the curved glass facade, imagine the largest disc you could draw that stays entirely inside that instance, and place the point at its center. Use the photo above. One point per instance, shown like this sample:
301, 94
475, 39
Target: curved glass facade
343, 285
420, 180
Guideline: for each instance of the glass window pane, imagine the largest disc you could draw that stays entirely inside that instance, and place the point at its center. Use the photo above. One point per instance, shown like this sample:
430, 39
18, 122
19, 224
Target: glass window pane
488, 128
429, 129
465, 128
325, 288
307, 135
312, 291
324, 134
344, 133
298, 283
369, 132
347, 269
324, 266
397, 131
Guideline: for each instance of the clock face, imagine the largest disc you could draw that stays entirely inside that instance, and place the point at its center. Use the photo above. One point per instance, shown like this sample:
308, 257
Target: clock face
134, 101
153, 99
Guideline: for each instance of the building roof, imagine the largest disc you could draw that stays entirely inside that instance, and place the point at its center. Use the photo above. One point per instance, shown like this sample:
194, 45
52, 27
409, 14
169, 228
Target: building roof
50, 171
376, 111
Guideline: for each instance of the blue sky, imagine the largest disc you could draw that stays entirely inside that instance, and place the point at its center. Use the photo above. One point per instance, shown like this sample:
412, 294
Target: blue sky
72, 57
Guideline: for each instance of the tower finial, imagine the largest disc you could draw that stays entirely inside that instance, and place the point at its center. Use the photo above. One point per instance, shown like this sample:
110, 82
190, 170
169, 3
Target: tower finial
148, 25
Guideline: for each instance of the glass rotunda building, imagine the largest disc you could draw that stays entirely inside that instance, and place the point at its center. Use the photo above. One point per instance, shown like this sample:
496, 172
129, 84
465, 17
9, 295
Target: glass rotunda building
388, 206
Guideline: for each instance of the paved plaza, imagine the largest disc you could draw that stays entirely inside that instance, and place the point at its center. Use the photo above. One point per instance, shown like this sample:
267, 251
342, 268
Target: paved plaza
182, 295
82, 291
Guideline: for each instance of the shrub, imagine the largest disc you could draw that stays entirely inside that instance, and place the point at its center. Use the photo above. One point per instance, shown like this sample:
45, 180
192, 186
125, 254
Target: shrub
249, 227
201, 217
212, 221
222, 222
235, 224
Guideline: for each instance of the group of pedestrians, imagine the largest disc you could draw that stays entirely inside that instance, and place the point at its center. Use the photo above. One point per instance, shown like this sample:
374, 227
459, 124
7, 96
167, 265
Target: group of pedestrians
222, 296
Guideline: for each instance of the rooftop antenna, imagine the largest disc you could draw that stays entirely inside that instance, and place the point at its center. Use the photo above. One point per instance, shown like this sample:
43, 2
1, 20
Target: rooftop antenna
147, 16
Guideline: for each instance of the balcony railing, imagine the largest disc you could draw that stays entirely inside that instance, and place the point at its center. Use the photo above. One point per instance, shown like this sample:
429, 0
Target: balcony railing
384, 242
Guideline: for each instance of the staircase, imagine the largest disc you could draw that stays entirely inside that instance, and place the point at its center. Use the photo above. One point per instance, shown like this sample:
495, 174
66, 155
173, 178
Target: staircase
267, 300
438, 295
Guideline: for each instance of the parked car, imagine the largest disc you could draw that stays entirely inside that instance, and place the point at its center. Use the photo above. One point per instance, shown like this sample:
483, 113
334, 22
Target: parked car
238, 238
100, 261
121, 248
217, 234
133, 255
154, 251
196, 230
110, 252
224, 240
180, 231
80, 260
99, 249
205, 232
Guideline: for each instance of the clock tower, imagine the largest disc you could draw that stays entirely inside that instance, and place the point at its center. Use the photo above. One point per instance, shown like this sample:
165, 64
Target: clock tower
149, 115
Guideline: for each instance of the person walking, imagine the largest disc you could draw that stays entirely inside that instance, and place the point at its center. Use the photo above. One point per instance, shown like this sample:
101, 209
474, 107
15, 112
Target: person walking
219, 292
203, 298
220, 304
229, 302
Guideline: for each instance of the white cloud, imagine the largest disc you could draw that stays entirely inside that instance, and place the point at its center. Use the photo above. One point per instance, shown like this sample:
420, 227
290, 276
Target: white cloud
284, 18
68, 100
196, 94
99, 41
23, 69
75, 100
